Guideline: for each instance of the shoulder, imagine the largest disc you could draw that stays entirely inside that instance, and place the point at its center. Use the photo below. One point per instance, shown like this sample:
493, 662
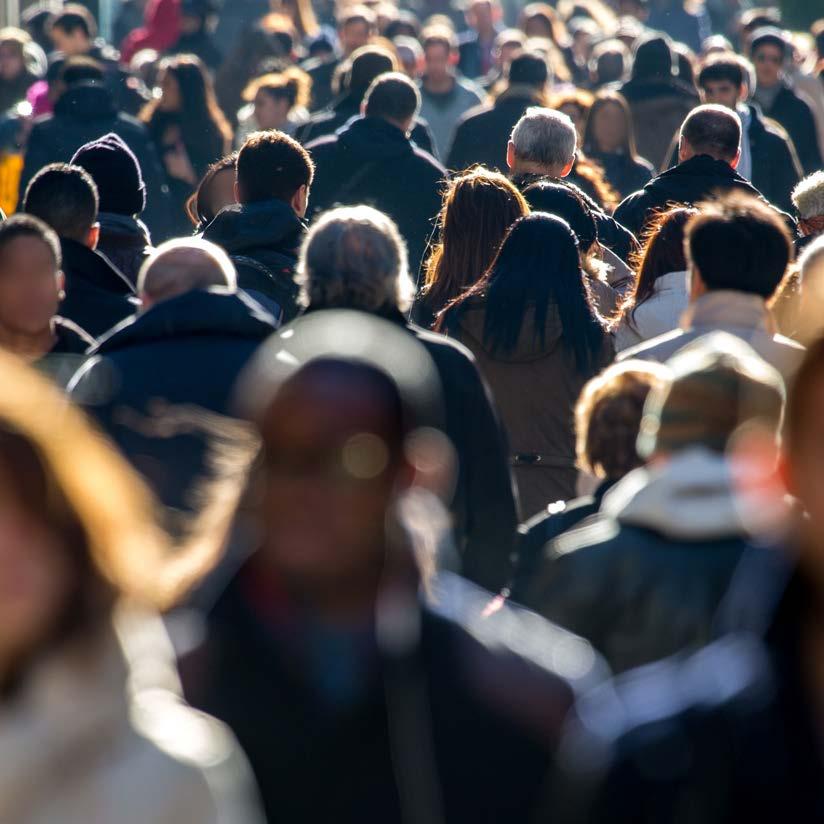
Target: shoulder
322, 145
426, 161
477, 114
657, 349
442, 346
131, 125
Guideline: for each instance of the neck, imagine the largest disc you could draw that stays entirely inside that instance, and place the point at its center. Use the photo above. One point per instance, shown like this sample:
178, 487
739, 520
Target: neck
528, 167
439, 84
27, 346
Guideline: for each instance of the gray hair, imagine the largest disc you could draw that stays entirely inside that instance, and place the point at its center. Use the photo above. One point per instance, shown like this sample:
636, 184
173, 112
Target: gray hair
544, 136
808, 196
354, 257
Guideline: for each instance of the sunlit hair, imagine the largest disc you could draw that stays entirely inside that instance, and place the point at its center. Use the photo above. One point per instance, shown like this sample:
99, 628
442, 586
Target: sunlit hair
292, 84
608, 416
478, 208
198, 207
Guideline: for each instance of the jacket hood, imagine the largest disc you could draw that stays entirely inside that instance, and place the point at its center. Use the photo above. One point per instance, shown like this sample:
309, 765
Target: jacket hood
696, 178
200, 312
86, 101
374, 139
80, 262
650, 88
270, 224
529, 347
689, 498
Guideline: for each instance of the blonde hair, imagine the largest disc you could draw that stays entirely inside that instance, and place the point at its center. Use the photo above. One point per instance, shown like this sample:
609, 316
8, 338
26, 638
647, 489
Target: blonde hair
292, 83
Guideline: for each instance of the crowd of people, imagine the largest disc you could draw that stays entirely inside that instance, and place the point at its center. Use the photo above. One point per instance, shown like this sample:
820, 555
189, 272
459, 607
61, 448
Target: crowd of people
411, 413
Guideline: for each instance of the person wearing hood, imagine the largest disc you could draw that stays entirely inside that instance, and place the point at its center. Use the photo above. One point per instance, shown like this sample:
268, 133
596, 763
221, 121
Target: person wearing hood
708, 153
737, 253
645, 578
373, 161
531, 326
97, 295
658, 99
263, 231
85, 110
365, 64
124, 238
160, 384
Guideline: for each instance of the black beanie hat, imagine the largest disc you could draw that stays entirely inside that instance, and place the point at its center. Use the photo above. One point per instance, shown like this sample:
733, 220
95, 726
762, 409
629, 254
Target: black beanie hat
116, 172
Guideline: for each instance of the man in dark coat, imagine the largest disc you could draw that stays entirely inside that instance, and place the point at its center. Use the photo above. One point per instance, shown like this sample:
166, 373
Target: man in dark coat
263, 231
161, 383
476, 44
481, 134
778, 101
84, 112
98, 296
372, 161
366, 702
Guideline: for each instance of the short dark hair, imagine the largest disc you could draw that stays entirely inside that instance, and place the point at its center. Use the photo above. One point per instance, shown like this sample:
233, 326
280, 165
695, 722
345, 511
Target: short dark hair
439, 36
272, 166
738, 242
81, 69
22, 225
528, 69
74, 17
357, 14
392, 96
65, 197
723, 68
713, 130
769, 36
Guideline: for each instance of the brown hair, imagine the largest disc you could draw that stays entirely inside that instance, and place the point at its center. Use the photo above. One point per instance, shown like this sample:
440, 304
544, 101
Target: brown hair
292, 83
198, 208
272, 165
478, 208
602, 100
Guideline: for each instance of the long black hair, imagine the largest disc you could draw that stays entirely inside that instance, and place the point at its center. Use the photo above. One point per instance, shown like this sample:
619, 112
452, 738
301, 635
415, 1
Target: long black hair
538, 266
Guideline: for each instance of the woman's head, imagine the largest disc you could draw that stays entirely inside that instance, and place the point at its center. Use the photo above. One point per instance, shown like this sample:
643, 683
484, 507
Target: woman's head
184, 86
214, 192
564, 202
576, 106
541, 20
275, 95
13, 43
609, 128
608, 416
478, 208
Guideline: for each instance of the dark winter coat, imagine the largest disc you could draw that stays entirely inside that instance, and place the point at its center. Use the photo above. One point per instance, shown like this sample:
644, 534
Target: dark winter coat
482, 133
331, 722
67, 354
795, 115
622, 172
161, 386
535, 389
685, 184
98, 296
82, 114
371, 161
125, 242
263, 240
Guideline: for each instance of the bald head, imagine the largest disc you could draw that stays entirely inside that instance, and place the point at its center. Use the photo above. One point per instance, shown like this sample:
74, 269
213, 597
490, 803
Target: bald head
711, 130
179, 266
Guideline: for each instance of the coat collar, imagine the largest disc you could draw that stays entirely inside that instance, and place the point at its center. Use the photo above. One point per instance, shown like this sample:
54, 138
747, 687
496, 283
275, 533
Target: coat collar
728, 309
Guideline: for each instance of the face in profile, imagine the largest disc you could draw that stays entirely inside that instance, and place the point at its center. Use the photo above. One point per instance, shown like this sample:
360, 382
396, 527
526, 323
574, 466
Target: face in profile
221, 191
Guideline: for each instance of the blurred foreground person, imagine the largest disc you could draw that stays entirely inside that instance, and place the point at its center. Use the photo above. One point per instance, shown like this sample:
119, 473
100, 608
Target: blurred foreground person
746, 711
354, 258
365, 703
98, 295
645, 579
94, 726
161, 383
215, 191
808, 199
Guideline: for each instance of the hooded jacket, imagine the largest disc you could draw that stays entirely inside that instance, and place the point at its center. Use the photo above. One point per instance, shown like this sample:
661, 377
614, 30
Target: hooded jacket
371, 161
263, 240
161, 385
535, 388
644, 579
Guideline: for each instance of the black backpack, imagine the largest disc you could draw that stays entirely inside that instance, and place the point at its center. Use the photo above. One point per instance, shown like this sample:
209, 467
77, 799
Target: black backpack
275, 282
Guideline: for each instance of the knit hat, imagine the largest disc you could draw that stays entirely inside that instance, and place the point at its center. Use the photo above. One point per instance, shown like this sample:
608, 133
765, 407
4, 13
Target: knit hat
717, 384
116, 172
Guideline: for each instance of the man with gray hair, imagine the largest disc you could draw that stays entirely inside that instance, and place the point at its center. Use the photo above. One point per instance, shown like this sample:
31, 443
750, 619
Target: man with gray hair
354, 258
160, 383
542, 143
808, 199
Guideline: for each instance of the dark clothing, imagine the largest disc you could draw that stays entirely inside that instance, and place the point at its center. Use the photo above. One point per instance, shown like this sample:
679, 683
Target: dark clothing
202, 44
475, 58
125, 242
622, 172
321, 72
795, 115
68, 353
85, 113
371, 161
13, 91
339, 114
482, 133
98, 296
263, 240
161, 386
328, 704
687, 27
685, 184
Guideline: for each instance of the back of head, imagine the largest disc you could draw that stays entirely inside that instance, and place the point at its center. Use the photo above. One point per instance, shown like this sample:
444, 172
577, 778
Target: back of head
528, 69
272, 166
367, 63
545, 137
354, 258
64, 197
653, 59
81, 69
717, 385
182, 265
393, 97
564, 202
609, 61
75, 17
808, 197
739, 243
713, 130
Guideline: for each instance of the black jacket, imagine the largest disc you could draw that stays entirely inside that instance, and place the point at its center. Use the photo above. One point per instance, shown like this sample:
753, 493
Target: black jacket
125, 242
622, 172
161, 385
687, 183
84, 113
68, 353
98, 296
331, 722
371, 161
482, 133
263, 240
795, 115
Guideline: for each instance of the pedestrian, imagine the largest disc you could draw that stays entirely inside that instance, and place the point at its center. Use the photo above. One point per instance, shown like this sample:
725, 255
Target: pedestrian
277, 100
215, 191
808, 200
20, 67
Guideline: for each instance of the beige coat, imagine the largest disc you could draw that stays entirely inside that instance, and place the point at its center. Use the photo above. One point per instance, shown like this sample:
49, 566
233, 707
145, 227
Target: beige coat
98, 734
